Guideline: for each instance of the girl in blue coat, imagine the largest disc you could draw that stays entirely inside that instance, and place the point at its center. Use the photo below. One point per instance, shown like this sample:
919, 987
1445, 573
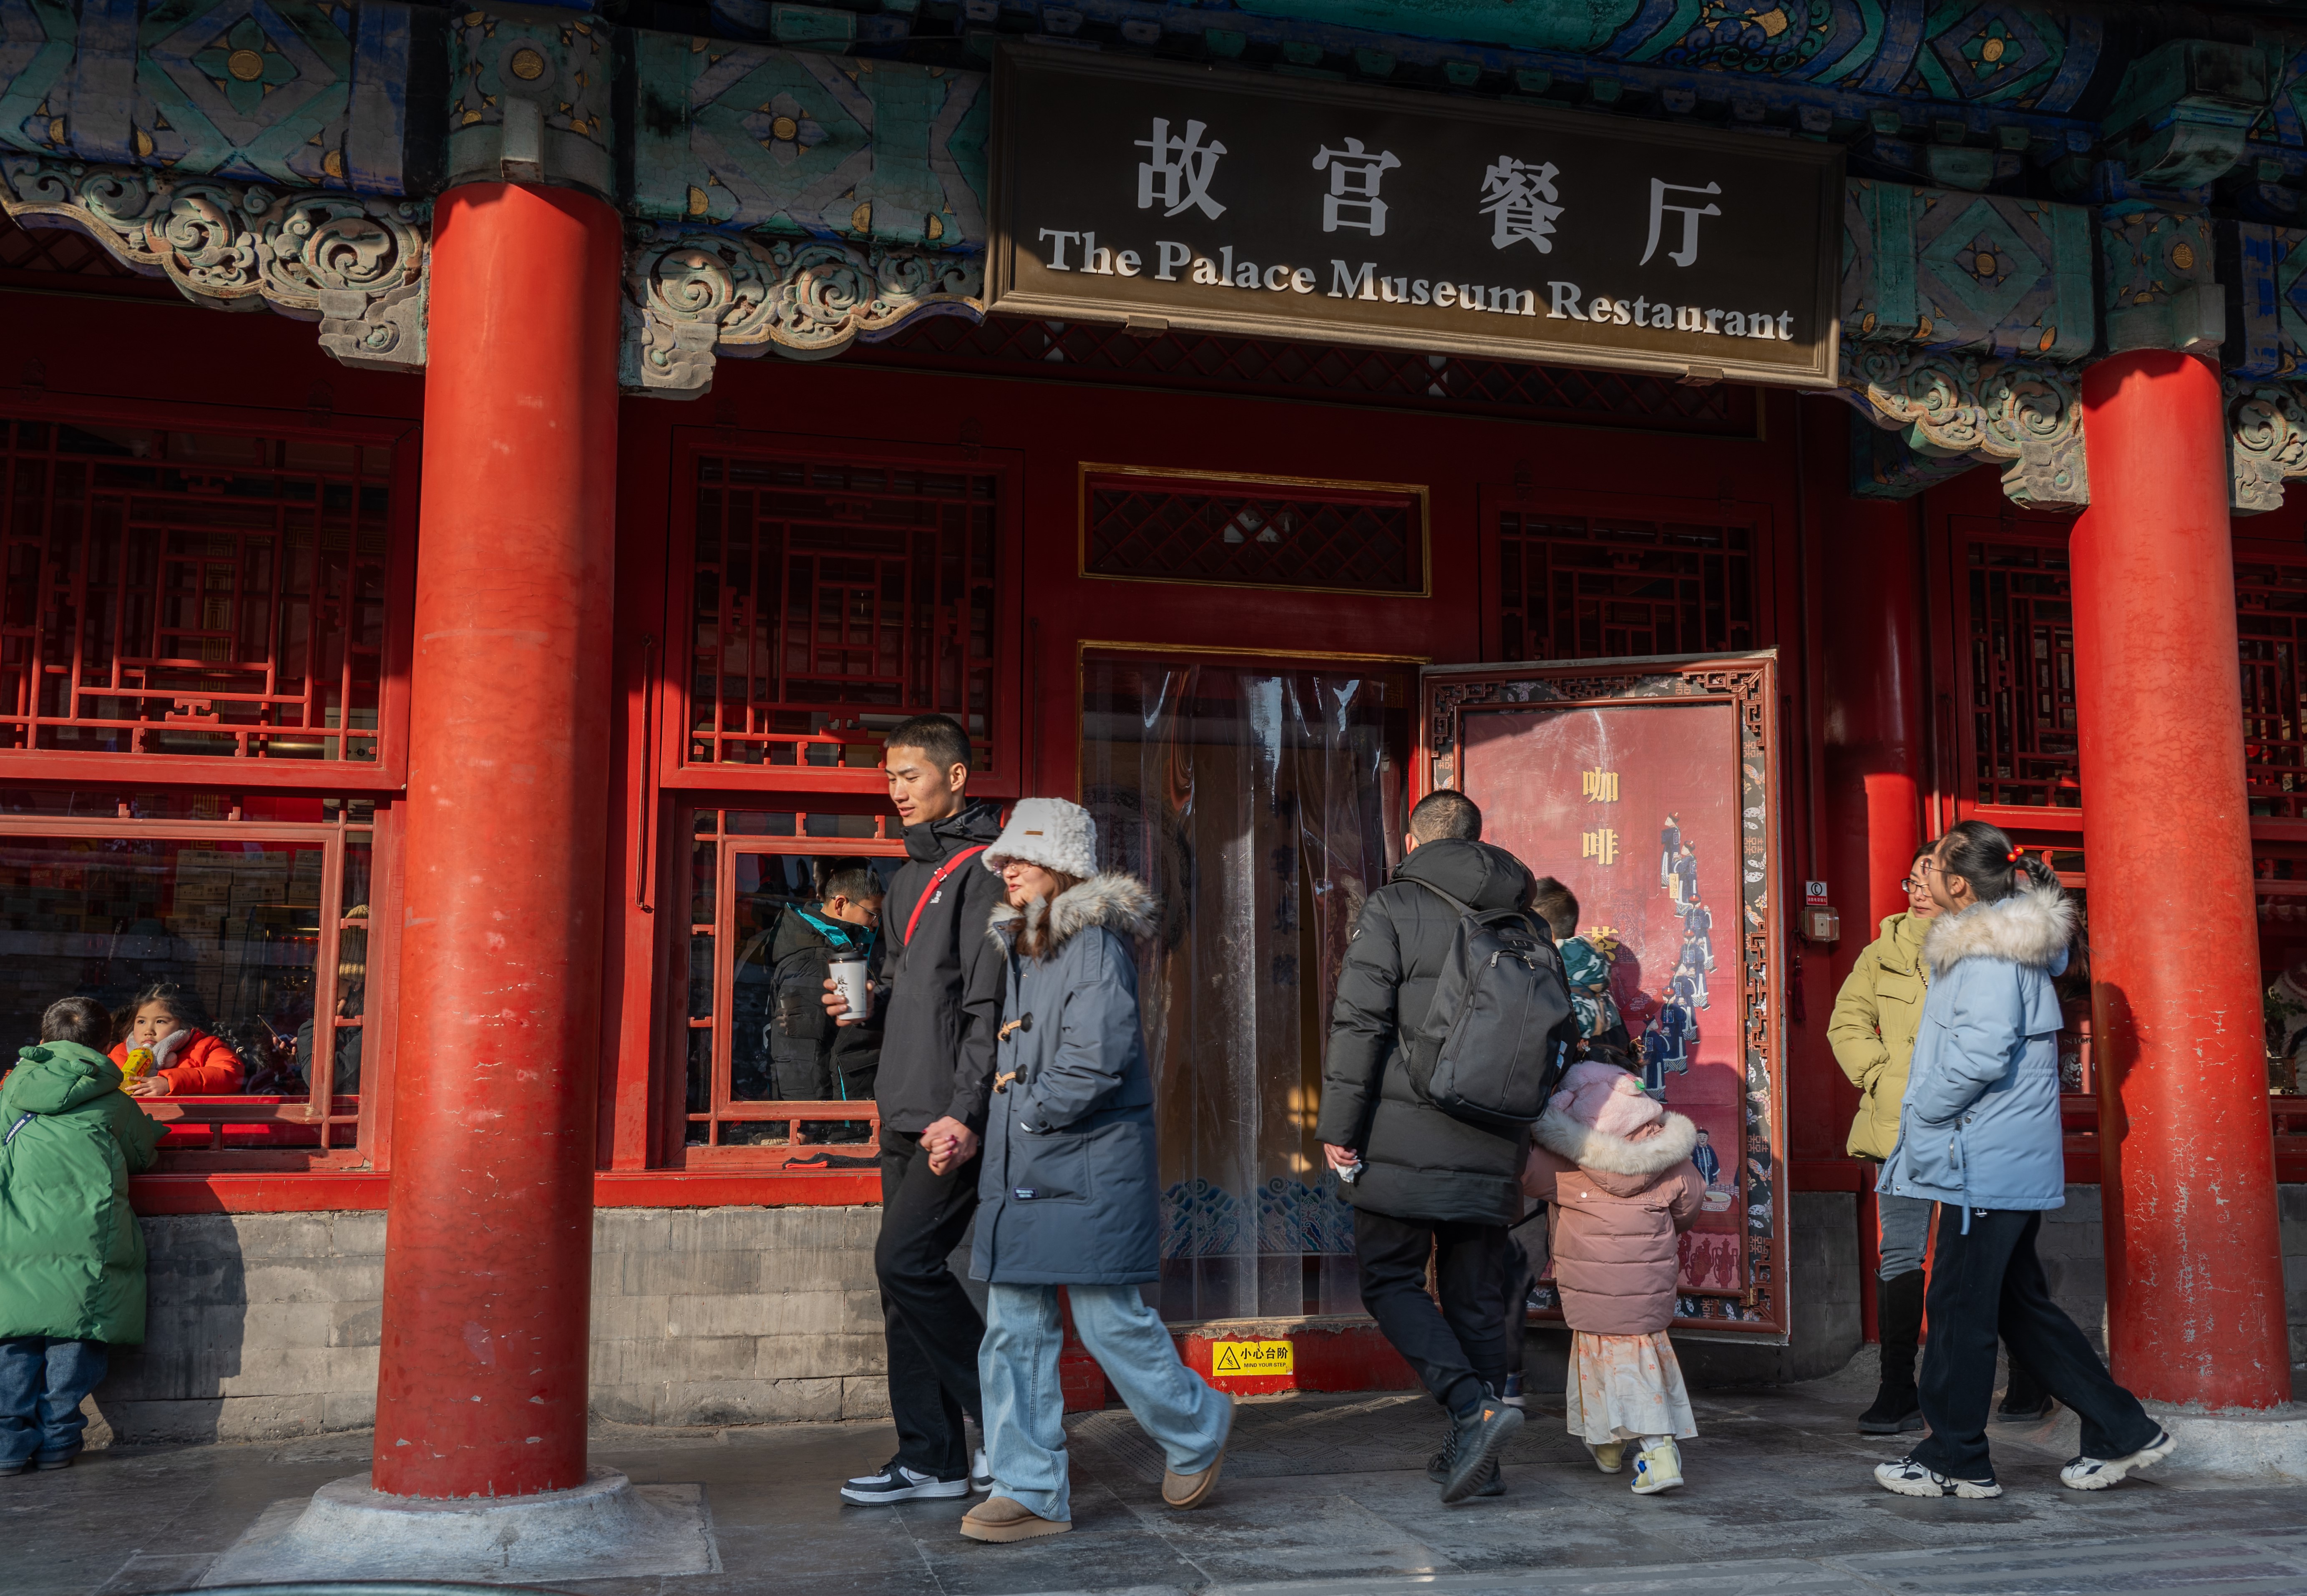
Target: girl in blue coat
1978, 1134
1067, 1194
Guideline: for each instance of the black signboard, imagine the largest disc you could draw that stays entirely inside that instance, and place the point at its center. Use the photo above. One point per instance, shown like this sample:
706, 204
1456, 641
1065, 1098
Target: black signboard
1252, 203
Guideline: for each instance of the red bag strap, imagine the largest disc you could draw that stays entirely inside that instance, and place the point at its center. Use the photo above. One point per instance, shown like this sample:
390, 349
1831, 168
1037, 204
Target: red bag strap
936, 881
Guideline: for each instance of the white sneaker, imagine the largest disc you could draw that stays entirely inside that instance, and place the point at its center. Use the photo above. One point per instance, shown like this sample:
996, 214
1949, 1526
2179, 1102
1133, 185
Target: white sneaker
2091, 1473
1912, 1478
898, 1483
1657, 1468
981, 1472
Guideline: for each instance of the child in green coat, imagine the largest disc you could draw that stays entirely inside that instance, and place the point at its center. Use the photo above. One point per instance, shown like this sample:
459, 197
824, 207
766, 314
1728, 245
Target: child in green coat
71, 1260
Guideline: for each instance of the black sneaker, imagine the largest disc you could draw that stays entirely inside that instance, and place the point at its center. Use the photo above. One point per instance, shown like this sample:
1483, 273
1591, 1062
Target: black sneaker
2043, 1409
981, 1472
1912, 1478
1437, 1470
1896, 1410
1475, 1440
898, 1483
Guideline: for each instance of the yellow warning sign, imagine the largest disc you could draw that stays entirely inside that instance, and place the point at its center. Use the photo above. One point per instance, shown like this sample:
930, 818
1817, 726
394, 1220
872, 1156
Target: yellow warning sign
1250, 1357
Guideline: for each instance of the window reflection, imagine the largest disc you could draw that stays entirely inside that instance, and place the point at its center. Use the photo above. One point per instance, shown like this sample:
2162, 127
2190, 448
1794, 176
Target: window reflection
222, 937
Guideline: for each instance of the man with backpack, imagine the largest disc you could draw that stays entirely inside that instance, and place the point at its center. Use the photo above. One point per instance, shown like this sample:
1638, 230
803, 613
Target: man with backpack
1450, 1028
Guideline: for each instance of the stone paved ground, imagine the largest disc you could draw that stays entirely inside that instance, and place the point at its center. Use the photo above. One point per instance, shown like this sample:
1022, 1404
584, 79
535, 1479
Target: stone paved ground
1323, 1496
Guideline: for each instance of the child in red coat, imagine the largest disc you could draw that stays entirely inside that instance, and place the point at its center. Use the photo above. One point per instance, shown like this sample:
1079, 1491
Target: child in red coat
166, 1021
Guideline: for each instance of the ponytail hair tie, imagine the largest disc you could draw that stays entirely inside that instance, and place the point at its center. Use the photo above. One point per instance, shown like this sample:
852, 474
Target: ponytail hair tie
2016, 855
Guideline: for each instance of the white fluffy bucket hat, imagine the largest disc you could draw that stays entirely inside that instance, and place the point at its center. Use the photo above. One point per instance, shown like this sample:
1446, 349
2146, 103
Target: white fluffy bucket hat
1050, 832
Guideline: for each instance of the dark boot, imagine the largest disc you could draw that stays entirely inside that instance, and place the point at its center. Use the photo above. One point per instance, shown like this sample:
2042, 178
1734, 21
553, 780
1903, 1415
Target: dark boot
2024, 1399
1899, 1318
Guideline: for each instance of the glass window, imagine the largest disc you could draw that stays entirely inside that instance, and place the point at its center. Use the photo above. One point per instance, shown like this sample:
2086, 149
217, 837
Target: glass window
759, 928
232, 953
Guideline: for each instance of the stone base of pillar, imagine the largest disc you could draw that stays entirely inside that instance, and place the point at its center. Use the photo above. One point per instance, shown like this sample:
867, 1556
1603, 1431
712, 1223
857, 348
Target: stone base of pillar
606, 1528
2266, 1447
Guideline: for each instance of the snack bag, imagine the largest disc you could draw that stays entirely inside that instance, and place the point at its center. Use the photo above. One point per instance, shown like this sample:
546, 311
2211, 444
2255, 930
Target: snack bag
139, 1064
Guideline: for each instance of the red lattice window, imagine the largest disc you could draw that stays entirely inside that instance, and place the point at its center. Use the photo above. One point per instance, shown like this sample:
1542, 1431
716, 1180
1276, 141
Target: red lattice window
192, 594
2271, 626
831, 601
748, 868
1596, 588
1254, 531
2020, 659
1097, 351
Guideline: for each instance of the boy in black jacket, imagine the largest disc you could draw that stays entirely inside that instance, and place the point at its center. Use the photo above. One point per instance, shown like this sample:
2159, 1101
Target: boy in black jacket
811, 1058
943, 980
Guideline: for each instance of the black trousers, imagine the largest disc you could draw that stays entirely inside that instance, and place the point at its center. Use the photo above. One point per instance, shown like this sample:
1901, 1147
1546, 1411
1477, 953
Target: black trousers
932, 1327
1991, 1280
1465, 1346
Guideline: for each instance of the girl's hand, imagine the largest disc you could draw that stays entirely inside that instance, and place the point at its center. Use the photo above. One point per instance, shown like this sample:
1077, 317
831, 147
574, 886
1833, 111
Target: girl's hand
151, 1085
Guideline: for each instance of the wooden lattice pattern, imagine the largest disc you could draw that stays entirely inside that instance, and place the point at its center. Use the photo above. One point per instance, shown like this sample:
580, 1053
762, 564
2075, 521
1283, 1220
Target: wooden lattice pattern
831, 601
1255, 535
175, 593
2021, 638
1589, 588
1084, 351
2270, 626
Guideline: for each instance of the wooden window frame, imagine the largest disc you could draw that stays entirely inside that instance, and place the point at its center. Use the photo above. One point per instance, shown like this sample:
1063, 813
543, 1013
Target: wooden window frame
389, 772
367, 1121
675, 1152
672, 696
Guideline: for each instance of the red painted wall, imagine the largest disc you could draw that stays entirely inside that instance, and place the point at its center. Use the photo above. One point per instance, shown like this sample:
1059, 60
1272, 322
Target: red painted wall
213, 366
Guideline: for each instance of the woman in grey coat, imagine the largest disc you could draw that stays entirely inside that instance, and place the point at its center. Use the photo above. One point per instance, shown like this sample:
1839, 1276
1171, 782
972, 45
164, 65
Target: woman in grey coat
1068, 1196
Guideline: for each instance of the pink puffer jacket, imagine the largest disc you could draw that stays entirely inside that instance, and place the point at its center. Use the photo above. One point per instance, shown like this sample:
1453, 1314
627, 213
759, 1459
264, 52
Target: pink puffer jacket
1617, 1206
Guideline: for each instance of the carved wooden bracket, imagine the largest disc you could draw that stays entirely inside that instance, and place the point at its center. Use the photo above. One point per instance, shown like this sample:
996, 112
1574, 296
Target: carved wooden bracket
354, 264
2267, 430
2023, 414
693, 295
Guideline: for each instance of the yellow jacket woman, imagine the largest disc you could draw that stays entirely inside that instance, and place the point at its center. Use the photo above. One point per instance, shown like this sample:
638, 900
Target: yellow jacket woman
1872, 1030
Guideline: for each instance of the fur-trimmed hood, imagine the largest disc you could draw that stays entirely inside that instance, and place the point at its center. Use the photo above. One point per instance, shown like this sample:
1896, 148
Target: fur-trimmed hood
1119, 902
2031, 928
1619, 1166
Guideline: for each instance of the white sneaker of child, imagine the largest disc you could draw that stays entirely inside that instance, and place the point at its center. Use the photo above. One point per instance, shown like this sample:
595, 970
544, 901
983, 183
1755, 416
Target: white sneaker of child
1658, 1466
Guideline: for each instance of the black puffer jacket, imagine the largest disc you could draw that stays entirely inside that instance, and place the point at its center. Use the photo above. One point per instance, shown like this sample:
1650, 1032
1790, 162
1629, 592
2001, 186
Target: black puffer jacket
1419, 1162
942, 1003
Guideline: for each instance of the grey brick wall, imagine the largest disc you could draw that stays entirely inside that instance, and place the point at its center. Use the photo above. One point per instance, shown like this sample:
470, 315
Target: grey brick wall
264, 1325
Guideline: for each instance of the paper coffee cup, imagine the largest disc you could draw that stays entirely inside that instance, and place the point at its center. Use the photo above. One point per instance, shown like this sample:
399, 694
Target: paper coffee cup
849, 975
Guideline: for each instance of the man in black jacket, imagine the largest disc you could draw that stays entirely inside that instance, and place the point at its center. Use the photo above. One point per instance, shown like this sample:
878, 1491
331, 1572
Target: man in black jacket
938, 987
1428, 1183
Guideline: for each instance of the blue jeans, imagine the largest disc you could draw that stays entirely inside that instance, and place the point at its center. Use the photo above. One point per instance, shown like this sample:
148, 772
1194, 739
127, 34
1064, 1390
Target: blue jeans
1025, 1410
42, 1380
1904, 1227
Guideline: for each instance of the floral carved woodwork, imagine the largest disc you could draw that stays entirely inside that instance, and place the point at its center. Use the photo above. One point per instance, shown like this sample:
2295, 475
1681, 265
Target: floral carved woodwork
2023, 414
693, 296
354, 264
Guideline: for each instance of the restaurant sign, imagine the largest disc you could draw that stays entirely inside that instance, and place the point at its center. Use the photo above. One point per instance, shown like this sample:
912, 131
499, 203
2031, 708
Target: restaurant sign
1250, 203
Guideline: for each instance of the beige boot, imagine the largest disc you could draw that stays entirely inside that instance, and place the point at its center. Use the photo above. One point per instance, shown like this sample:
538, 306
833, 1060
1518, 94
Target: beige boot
1185, 1492
999, 1519
1609, 1456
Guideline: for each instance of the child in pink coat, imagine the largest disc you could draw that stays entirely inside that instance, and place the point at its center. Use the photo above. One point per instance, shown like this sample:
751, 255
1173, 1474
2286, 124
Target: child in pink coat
1615, 1167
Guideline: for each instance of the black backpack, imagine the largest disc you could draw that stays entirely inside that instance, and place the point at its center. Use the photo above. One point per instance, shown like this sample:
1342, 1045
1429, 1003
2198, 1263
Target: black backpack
1501, 1030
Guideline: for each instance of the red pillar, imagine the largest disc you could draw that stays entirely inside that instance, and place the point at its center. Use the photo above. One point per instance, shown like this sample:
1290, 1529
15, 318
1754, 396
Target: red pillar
1872, 823
2194, 1270
488, 1243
